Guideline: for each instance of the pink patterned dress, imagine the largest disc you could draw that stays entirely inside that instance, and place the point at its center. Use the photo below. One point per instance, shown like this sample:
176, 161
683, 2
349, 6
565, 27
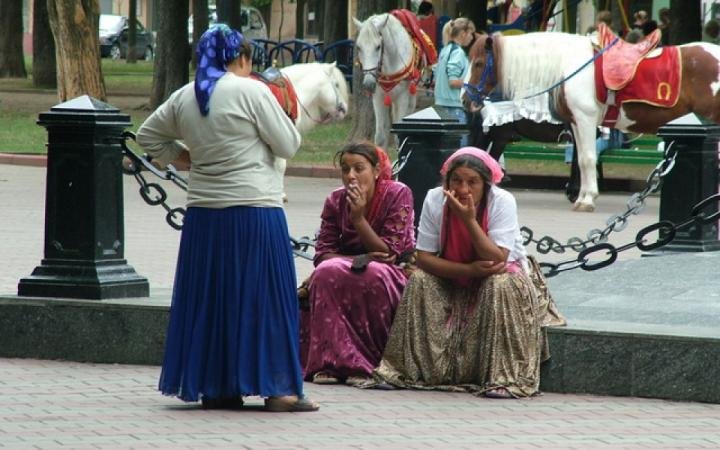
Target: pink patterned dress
345, 331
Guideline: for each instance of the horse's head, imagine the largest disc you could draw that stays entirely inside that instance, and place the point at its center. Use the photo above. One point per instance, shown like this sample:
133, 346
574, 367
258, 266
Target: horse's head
483, 73
369, 48
333, 102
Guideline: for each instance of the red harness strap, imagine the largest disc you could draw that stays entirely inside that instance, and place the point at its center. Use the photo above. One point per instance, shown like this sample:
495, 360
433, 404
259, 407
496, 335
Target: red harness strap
423, 54
284, 93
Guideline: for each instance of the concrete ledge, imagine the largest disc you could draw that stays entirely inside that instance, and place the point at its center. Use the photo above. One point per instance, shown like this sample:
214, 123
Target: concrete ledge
632, 365
132, 331
102, 331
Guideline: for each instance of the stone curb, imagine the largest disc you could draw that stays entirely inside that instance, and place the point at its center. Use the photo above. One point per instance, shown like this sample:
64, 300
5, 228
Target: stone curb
293, 171
23, 160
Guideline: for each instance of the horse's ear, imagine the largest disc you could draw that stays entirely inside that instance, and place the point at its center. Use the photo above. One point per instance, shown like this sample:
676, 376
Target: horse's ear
357, 22
489, 43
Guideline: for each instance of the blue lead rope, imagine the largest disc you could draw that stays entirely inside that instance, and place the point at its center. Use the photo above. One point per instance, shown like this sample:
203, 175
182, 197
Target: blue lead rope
607, 47
475, 92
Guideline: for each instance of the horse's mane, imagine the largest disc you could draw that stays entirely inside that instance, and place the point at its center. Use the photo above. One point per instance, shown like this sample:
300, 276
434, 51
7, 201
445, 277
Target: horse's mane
530, 63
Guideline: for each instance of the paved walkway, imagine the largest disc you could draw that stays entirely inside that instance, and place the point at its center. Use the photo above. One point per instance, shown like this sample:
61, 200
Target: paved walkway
49, 404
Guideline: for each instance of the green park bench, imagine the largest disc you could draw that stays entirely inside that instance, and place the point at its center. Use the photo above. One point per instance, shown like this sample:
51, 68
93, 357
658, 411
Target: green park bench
643, 151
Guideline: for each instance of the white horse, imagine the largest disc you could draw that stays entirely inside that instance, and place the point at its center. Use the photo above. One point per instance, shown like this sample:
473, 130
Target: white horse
387, 56
322, 97
524, 65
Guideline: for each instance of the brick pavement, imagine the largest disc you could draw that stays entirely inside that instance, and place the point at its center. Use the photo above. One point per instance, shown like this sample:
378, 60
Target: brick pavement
50, 404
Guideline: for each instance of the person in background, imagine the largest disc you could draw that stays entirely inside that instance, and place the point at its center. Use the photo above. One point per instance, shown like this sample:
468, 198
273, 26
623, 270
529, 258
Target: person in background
233, 328
711, 32
664, 25
607, 138
452, 67
365, 237
428, 21
471, 317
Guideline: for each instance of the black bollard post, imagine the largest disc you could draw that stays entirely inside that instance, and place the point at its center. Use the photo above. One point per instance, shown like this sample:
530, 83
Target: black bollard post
694, 178
427, 138
84, 221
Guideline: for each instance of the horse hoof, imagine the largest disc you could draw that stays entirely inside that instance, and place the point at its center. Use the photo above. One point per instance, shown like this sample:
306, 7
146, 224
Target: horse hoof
583, 207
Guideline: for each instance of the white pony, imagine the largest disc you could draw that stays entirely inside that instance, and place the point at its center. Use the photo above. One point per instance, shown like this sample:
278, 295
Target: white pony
386, 53
322, 96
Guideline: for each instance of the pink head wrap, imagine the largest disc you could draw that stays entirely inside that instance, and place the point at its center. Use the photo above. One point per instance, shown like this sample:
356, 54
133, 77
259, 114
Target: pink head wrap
496, 172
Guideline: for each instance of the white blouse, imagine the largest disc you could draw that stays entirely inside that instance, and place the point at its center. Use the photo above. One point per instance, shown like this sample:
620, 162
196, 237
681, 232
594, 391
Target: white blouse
503, 226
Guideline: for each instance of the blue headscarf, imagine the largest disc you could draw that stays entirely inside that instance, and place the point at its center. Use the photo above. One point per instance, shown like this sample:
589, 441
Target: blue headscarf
218, 46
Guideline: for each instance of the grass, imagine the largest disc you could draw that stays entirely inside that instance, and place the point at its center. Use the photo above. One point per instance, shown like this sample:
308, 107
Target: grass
19, 132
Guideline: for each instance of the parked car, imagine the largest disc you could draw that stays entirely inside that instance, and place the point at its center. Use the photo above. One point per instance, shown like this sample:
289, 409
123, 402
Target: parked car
114, 38
252, 22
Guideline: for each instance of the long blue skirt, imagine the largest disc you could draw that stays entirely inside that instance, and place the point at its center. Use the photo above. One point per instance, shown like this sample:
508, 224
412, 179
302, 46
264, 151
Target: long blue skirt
233, 326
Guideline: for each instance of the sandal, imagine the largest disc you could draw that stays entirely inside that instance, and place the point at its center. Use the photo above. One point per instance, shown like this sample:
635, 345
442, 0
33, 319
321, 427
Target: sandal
356, 380
324, 378
498, 392
290, 404
222, 403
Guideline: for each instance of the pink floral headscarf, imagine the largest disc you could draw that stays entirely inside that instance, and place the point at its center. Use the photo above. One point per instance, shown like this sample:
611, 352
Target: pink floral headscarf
496, 172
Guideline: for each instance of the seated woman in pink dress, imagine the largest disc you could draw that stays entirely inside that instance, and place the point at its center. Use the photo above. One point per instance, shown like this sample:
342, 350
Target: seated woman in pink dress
365, 235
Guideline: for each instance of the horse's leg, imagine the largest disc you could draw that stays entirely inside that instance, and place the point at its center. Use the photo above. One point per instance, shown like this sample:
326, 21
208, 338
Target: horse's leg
584, 131
403, 105
382, 118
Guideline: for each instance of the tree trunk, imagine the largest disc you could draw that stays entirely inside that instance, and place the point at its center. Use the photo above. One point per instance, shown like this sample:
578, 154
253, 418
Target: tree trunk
475, 11
44, 68
131, 57
74, 25
172, 50
12, 63
200, 24
363, 116
300, 18
686, 23
334, 29
228, 12
266, 13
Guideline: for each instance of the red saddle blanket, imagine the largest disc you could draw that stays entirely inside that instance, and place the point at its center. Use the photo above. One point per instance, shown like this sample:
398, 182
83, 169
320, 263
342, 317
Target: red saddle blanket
421, 38
656, 82
284, 92
622, 59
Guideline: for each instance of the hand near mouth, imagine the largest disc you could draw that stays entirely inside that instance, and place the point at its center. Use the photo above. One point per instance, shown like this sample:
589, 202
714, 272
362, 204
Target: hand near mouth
462, 207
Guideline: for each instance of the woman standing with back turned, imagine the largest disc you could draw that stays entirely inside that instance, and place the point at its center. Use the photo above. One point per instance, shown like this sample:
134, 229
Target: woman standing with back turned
233, 328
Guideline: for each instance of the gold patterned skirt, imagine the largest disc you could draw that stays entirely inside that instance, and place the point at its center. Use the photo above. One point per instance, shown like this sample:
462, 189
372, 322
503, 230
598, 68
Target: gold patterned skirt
474, 339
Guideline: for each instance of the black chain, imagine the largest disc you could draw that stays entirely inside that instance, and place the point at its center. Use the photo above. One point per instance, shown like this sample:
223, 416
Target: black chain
154, 194
666, 233
616, 223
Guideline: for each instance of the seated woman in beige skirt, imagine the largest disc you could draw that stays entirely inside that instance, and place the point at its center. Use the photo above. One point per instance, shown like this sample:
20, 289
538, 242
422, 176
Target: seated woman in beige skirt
471, 319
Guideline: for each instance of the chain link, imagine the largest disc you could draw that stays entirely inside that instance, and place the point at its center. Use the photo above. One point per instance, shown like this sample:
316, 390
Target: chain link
666, 229
616, 223
153, 194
